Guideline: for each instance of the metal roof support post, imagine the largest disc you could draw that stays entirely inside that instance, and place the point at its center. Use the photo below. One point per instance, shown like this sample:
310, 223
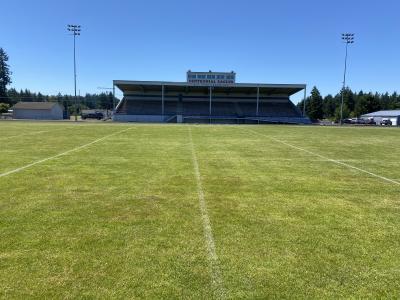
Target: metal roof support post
258, 99
113, 89
162, 100
210, 108
304, 101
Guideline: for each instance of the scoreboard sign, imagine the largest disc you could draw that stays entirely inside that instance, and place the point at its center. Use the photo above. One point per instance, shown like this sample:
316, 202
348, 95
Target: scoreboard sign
211, 78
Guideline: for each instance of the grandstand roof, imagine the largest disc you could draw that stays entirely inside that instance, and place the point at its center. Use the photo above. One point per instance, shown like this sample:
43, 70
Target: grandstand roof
272, 89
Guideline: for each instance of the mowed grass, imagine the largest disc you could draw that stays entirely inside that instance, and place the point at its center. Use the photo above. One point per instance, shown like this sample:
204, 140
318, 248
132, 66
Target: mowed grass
121, 217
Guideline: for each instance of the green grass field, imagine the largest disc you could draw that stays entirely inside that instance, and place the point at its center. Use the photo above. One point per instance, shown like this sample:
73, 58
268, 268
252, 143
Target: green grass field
178, 211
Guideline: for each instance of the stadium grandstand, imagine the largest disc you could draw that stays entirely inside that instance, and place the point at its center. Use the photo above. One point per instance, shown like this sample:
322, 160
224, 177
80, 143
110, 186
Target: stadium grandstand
208, 97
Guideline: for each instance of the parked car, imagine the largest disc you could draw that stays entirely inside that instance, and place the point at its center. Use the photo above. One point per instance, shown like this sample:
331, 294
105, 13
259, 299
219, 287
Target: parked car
92, 115
358, 121
386, 122
370, 121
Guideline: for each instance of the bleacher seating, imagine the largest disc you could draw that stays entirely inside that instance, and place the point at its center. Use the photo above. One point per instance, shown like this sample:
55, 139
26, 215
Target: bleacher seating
274, 110
140, 108
224, 109
196, 108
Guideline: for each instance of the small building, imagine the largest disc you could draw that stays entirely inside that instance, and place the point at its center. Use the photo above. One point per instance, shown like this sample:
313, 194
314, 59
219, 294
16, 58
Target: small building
378, 116
38, 111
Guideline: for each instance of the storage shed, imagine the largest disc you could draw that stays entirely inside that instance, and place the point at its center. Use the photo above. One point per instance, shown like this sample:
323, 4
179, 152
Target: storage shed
38, 111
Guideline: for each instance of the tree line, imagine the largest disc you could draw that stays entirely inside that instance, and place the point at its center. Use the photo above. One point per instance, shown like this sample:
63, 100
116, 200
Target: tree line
89, 101
8, 97
355, 104
317, 107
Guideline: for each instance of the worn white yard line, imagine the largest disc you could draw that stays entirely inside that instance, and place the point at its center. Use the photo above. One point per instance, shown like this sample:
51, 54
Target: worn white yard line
25, 134
216, 276
61, 154
34, 133
328, 159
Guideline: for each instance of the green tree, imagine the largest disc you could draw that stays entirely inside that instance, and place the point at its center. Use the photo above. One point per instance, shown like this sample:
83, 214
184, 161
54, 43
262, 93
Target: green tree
13, 96
105, 101
367, 103
394, 101
315, 105
329, 107
4, 107
39, 97
5, 76
346, 113
348, 99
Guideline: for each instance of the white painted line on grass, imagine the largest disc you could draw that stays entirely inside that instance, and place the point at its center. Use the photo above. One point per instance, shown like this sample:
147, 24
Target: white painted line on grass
219, 290
328, 159
24, 134
61, 154
33, 133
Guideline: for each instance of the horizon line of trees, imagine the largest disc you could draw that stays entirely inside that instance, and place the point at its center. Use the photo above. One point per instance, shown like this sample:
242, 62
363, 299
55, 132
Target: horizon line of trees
8, 97
89, 101
317, 107
355, 104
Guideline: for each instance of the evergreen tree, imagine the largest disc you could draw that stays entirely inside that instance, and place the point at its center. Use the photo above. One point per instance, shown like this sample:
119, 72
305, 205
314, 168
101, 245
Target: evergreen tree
4, 107
315, 105
13, 96
39, 97
384, 101
367, 103
329, 107
348, 99
346, 113
5, 76
394, 101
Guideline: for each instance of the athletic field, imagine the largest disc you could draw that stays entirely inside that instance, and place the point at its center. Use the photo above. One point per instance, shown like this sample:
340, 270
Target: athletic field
106, 210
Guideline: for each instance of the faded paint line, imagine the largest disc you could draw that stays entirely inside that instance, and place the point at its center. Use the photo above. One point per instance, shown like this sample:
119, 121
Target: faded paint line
61, 154
328, 159
219, 290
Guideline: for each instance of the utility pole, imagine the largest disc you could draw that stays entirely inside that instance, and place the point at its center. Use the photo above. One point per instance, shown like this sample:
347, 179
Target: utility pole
76, 30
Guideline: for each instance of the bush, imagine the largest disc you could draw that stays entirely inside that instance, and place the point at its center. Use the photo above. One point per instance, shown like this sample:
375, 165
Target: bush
4, 107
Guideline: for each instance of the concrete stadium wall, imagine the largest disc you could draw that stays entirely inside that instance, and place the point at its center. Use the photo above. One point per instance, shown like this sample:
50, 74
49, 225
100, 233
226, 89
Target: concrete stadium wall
139, 118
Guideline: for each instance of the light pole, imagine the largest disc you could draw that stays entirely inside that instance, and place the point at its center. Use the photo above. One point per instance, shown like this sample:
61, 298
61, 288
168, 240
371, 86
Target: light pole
76, 30
347, 38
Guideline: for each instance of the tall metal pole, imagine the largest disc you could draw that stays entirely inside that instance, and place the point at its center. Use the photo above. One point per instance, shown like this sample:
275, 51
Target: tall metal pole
348, 38
75, 30
344, 86
76, 100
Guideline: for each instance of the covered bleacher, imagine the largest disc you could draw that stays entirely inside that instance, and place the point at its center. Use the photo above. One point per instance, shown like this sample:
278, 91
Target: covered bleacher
160, 101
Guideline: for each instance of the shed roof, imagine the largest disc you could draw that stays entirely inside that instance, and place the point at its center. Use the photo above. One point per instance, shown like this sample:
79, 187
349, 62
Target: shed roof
35, 105
383, 113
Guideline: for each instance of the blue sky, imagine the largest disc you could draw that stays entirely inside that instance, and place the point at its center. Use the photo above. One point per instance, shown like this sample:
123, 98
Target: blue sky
263, 41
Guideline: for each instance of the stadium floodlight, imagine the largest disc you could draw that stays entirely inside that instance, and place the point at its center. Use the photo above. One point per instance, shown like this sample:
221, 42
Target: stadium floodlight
75, 30
348, 38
